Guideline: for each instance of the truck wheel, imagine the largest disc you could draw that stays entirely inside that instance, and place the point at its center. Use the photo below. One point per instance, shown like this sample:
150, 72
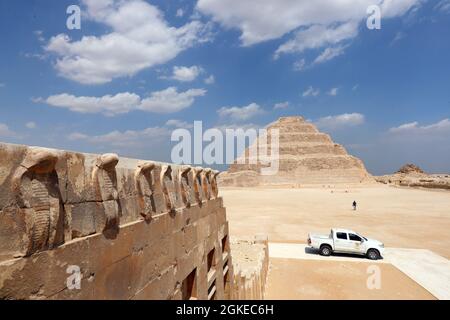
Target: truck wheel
325, 251
373, 254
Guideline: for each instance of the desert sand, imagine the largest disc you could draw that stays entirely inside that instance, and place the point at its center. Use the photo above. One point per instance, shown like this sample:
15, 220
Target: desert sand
400, 217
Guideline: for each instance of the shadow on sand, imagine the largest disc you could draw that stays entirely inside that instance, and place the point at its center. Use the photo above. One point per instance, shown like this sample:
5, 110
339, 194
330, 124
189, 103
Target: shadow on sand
312, 251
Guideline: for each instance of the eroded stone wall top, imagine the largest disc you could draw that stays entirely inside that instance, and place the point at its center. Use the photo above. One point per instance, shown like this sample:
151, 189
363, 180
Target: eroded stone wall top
49, 197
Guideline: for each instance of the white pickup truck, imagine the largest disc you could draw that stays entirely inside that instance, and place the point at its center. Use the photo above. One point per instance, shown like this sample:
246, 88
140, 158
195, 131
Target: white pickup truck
346, 241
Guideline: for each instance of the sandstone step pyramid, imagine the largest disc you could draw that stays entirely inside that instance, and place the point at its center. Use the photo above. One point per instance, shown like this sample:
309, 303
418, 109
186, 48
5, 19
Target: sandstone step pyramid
306, 156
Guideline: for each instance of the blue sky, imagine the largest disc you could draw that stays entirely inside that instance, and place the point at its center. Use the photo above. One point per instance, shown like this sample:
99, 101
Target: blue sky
138, 69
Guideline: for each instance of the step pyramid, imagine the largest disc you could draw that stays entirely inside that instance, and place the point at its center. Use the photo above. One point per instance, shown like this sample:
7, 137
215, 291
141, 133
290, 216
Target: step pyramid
306, 156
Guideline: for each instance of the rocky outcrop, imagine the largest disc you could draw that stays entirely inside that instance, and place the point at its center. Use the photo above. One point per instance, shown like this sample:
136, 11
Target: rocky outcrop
306, 156
410, 168
411, 175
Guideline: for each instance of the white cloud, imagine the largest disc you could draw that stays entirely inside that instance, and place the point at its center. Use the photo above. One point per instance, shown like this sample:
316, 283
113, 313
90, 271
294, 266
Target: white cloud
238, 126
442, 126
180, 13
169, 100
31, 125
179, 124
281, 105
5, 131
311, 92
165, 101
186, 74
404, 127
318, 36
355, 87
39, 35
398, 36
140, 38
339, 121
240, 113
210, 80
123, 138
2, 85
300, 65
317, 24
443, 6
333, 92
329, 53
109, 105
35, 56
77, 136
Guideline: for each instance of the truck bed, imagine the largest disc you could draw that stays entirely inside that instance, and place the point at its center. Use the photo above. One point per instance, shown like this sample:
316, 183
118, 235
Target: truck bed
319, 236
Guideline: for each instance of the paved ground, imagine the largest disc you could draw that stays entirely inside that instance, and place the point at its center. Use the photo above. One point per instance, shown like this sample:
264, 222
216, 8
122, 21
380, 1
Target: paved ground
425, 268
428, 269
303, 252
401, 218
313, 279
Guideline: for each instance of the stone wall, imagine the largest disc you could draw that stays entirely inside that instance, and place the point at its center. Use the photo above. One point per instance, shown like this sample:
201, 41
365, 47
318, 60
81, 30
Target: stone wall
251, 266
133, 229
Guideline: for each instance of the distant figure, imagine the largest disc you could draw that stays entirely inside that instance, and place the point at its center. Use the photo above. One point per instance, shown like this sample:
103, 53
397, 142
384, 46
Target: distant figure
354, 205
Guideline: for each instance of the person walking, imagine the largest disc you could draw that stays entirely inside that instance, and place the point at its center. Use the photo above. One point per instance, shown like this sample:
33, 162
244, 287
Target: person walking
354, 205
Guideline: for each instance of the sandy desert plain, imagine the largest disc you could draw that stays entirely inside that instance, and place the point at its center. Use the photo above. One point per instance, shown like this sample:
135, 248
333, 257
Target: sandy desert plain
415, 220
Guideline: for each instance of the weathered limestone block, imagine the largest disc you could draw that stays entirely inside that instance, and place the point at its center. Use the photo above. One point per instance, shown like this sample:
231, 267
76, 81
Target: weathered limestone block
214, 186
187, 178
145, 188
185, 262
129, 209
206, 183
158, 194
168, 187
179, 204
75, 191
251, 265
11, 156
82, 216
186, 239
160, 288
185, 217
128, 191
35, 185
107, 215
104, 178
126, 182
154, 258
13, 233
44, 274
116, 281
198, 188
